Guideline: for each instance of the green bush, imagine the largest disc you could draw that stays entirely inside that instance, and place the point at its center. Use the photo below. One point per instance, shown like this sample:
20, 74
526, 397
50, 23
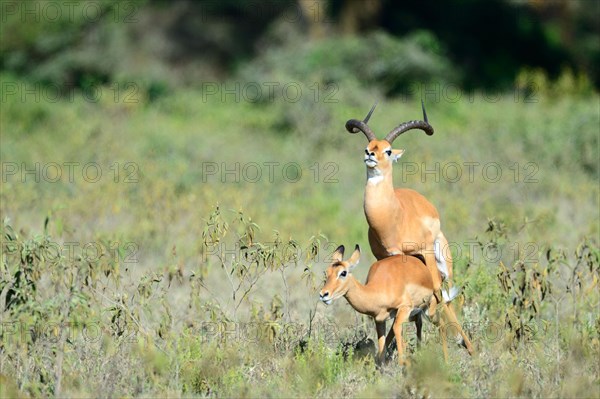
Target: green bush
376, 60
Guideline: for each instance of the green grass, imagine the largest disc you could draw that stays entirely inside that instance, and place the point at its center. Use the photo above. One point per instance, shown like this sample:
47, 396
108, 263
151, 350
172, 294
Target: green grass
162, 299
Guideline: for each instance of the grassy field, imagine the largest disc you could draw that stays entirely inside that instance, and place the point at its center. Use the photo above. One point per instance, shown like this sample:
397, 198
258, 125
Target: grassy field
176, 247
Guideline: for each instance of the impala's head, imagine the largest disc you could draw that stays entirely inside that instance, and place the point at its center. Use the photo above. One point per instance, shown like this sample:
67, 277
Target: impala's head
379, 153
338, 275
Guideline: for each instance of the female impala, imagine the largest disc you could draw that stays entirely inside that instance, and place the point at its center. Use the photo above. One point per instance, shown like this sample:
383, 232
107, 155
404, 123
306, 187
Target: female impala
398, 287
402, 221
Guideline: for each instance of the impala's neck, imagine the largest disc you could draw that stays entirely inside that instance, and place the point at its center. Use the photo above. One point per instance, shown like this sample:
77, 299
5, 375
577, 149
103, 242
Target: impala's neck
361, 298
381, 204
380, 180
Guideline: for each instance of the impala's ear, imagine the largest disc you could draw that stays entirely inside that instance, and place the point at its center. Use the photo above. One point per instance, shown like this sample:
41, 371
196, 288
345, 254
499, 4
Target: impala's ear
338, 255
396, 154
353, 261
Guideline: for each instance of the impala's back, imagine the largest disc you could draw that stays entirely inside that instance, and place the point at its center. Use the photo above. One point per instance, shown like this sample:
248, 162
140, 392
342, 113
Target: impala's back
404, 274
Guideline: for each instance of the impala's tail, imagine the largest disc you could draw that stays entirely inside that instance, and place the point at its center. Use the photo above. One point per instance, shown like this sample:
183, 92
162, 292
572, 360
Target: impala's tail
442, 265
449, 295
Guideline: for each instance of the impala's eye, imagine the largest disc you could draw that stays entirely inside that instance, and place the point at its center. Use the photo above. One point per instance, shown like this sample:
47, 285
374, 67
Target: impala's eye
343, 273
389, 152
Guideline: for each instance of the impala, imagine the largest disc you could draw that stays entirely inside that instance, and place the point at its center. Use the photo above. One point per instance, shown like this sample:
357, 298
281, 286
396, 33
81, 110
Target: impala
398, 287
402, 221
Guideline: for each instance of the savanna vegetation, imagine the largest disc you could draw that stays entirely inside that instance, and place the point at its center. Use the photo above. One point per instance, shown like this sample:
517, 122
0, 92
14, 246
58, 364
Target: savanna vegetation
161, 238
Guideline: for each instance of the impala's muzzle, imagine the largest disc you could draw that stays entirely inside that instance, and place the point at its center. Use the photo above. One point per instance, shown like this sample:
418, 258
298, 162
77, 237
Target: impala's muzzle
325, 298
370, 161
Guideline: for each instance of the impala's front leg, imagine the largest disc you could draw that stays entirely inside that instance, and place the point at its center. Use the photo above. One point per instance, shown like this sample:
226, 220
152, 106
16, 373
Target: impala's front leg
380, 327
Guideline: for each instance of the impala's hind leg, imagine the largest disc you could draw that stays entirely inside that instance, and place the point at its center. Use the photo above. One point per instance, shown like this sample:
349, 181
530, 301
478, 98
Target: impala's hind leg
434, 317
401, 318
452, 321
419, 327
443, 258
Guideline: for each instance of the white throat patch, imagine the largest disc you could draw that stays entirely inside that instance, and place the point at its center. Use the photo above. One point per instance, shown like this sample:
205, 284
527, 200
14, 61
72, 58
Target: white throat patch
374, 176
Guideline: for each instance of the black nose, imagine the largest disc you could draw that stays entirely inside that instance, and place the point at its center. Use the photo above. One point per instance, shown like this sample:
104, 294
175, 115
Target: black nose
325, 294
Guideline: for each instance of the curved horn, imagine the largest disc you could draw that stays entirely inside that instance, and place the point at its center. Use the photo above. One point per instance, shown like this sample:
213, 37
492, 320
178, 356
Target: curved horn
406, 126
354, 125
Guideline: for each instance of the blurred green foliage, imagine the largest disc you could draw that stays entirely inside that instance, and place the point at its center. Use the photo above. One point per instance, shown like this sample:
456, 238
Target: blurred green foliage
493, 40
376, 60
170, 45
59, 43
